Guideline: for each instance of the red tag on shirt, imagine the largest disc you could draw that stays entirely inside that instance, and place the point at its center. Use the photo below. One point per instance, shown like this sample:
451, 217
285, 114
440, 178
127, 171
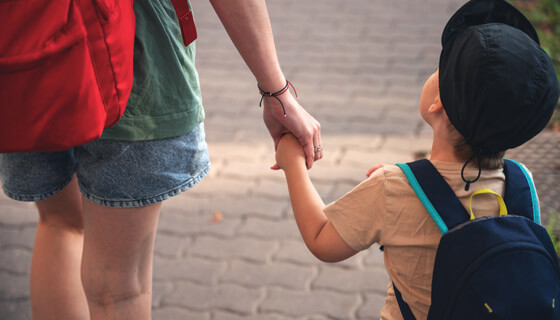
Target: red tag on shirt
186, 21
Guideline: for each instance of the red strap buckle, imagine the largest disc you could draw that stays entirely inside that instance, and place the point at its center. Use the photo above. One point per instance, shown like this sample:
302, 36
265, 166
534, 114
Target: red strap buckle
186, 21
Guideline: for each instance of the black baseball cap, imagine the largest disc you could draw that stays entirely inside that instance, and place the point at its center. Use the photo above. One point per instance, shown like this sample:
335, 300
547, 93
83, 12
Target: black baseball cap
497, 85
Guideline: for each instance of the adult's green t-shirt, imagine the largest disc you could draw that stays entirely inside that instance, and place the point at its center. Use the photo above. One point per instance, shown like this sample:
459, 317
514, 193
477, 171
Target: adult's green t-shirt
165, 100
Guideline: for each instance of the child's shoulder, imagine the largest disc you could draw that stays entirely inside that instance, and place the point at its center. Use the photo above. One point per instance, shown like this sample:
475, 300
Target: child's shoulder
386, 171
388, 174
451, 171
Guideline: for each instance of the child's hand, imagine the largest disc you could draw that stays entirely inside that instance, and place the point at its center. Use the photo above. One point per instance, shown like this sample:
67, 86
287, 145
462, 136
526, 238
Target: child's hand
372, 169
289, 152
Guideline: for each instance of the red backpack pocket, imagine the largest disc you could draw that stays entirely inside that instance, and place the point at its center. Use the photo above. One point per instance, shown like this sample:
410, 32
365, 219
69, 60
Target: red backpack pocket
51, 82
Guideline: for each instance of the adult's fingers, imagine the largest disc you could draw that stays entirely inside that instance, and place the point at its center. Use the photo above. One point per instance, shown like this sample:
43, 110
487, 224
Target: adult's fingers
312, 143
309, 151
318, 144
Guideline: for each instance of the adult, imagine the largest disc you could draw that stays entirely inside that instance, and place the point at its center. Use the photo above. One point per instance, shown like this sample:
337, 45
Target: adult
99, 203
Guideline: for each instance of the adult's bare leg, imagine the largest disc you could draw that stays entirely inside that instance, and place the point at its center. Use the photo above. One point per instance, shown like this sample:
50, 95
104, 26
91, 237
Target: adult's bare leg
56, 288
117, 260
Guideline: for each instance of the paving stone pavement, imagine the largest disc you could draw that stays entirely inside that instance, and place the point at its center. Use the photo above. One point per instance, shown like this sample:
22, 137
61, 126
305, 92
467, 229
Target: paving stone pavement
229, 248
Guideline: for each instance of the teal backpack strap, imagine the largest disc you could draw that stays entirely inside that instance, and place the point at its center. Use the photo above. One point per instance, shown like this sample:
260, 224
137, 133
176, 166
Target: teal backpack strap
430, 187
423, 198
520, 195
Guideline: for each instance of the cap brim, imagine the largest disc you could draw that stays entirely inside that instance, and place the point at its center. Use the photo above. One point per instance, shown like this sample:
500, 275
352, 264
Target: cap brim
476, 12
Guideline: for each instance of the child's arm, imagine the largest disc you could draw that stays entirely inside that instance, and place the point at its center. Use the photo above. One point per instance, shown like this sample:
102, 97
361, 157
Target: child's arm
318, 233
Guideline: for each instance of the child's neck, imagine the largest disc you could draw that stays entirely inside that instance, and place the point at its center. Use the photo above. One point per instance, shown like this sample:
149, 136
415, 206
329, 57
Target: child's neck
442, 149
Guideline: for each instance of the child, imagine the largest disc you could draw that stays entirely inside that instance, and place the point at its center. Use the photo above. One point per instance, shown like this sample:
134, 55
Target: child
495, 89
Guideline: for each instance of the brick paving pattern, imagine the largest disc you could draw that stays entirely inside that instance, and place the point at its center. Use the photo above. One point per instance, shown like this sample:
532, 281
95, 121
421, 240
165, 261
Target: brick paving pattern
542, 156
229, 248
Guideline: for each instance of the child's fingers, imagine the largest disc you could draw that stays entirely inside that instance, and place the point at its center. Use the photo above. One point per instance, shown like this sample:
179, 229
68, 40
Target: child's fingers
372, 169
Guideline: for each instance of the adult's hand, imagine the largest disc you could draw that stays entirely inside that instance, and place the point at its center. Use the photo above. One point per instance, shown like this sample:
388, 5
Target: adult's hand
297, 121
248, 25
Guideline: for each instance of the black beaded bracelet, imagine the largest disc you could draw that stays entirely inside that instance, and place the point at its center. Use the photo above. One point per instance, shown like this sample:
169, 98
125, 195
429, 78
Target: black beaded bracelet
276, 94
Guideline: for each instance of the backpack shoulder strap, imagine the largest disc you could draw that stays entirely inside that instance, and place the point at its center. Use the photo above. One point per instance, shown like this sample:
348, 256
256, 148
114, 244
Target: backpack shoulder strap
405, 309
435, 194
520, 195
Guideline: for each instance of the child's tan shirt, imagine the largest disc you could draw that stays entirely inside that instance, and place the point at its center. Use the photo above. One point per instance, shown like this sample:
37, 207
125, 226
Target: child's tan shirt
384, 209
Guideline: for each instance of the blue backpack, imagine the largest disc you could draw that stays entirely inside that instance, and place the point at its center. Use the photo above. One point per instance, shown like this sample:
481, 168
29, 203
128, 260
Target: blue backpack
501, 267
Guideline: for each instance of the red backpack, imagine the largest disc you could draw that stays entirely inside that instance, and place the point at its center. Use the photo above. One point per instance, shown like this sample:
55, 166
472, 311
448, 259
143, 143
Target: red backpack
65, 70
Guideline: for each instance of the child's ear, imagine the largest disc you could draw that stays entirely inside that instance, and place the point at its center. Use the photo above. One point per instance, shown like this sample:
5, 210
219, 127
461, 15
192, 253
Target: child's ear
436, 106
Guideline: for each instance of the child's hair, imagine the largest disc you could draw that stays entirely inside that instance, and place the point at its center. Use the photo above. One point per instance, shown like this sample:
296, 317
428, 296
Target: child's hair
462, 150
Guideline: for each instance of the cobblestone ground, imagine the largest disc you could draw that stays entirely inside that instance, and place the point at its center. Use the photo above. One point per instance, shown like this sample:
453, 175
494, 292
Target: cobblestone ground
229, 248
542, 156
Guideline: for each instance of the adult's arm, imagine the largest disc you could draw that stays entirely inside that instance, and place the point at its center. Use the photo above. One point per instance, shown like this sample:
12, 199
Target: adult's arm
248, 25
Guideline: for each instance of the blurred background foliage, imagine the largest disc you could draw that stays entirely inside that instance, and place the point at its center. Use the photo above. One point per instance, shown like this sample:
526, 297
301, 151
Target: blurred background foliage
545, 16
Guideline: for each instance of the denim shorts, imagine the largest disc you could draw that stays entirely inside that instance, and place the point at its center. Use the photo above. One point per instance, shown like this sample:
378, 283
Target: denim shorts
111, 173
